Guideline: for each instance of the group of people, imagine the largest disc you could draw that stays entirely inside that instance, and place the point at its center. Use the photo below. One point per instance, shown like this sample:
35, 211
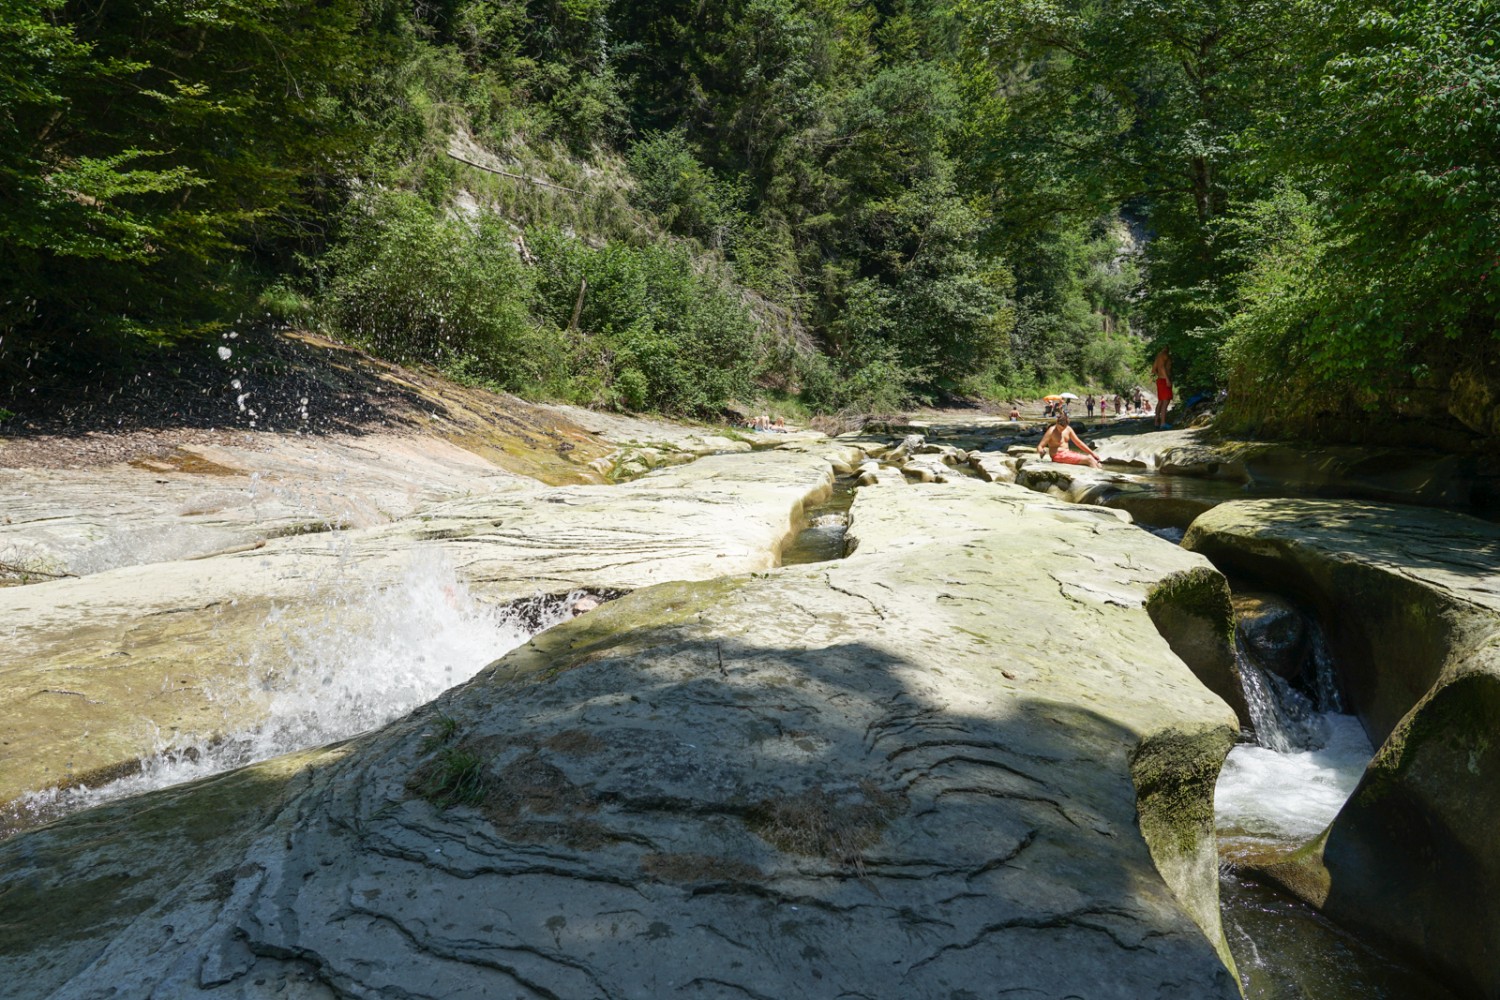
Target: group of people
1161, 370
1122, 403
765, 423
1061, 442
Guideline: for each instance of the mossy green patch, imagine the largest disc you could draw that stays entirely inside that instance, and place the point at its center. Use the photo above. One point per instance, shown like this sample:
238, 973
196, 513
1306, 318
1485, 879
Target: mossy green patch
1200, 592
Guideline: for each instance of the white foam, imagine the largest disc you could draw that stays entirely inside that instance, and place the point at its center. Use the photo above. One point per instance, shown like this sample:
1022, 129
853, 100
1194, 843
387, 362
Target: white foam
1264, 795
371, 655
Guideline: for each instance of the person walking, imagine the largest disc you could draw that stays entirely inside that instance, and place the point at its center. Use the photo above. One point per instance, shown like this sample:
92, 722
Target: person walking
1089, 404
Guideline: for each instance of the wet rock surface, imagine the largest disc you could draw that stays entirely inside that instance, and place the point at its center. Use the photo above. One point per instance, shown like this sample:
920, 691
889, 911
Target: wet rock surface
1275, 632
95, 669
850, 779
1410, 601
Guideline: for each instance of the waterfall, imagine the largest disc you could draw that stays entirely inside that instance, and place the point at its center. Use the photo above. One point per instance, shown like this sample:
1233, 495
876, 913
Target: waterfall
1325, 682
375, 652
1285, 719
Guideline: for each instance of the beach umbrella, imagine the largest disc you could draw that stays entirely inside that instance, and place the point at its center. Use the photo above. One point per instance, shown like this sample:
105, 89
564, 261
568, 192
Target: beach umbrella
1055, 398
1067, 395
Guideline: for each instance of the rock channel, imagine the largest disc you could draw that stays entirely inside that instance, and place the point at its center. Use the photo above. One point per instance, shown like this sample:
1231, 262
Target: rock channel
961, 759
1410, 600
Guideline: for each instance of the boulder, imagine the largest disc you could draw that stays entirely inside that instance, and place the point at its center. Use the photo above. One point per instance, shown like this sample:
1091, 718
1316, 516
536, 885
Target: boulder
1275, 632
1410, 602
849, 779
927, 469
993, 468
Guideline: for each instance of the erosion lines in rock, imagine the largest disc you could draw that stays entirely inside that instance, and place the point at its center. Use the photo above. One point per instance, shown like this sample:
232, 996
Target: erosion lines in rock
828, 578
478, 955
709, 981
1061, 921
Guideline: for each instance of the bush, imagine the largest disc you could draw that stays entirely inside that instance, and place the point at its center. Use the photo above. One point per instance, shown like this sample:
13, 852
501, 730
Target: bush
671, 336
414, 284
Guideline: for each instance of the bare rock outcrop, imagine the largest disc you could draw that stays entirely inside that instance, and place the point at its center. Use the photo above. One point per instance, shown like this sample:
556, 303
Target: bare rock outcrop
920, 771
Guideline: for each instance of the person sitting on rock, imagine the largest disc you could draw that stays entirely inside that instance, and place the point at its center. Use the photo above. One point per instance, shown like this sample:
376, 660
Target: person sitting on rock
1056, 445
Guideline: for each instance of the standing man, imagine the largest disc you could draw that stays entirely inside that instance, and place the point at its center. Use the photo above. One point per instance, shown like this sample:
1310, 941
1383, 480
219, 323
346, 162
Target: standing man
1162, 369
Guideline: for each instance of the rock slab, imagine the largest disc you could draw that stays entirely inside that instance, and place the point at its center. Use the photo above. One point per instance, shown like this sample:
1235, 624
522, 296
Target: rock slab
921, 771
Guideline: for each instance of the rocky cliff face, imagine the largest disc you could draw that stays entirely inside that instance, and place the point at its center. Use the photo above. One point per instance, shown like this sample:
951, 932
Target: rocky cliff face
962, 761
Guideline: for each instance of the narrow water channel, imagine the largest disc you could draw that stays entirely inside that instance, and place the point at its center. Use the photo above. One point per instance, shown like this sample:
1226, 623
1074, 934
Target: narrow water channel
823, 537
1276, 792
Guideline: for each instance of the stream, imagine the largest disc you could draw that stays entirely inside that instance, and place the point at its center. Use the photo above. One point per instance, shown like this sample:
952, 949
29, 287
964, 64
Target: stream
373, 654
1277, 791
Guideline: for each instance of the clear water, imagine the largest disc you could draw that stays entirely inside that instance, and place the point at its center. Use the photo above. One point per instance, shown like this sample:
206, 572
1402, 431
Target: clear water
1285, 950
370, 655
827, 523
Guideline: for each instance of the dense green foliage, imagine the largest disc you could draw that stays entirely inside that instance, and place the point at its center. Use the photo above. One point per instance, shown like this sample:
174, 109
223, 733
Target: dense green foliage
1318, 184
670, 205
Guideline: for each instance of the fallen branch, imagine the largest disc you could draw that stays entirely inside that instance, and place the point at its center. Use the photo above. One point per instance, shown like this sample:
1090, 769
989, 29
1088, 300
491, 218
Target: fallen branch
507, 173
8, 569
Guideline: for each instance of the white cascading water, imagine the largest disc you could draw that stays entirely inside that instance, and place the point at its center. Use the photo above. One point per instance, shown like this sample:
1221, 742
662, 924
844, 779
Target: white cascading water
373, 654
1306, 761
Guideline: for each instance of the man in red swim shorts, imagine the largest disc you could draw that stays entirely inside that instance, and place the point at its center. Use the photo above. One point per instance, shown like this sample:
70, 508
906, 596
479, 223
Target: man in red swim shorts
1162, 369
1056, 444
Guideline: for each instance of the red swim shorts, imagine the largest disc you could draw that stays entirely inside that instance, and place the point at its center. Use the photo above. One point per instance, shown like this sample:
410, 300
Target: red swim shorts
1067, 457
1163, 390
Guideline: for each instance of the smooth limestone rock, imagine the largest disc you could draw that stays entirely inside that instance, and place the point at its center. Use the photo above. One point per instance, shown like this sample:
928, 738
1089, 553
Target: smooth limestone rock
1410, 600
93, 671
922, 771
993, 468
202, 499
927, 469
1400, 475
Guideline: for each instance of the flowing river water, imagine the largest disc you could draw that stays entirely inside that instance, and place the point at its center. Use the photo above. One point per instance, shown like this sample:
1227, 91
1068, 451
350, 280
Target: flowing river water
371, 655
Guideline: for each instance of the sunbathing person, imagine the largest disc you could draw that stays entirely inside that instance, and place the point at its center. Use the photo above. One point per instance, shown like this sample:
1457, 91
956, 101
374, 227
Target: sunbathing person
1056, 444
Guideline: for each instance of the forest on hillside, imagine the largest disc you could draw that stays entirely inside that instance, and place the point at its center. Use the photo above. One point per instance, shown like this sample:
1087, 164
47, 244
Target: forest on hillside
841, 204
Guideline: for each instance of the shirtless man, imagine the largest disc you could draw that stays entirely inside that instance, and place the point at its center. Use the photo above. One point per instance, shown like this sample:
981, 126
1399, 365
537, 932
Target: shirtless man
1162, 369
1056, 444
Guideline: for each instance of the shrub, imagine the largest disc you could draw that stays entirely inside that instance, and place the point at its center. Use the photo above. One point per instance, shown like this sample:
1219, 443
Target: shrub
669, 335
415, 284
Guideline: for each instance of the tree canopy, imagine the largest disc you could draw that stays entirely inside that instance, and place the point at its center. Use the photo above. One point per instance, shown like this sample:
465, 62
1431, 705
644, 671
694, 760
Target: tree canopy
671, 204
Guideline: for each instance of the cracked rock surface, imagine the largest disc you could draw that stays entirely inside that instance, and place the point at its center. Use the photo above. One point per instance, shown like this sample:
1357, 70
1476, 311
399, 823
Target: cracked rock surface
926, 770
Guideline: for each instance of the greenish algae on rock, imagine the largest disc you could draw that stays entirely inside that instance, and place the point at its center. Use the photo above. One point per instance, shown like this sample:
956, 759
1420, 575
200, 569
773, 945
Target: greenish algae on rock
923, 770
1410, 600
1193, 610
